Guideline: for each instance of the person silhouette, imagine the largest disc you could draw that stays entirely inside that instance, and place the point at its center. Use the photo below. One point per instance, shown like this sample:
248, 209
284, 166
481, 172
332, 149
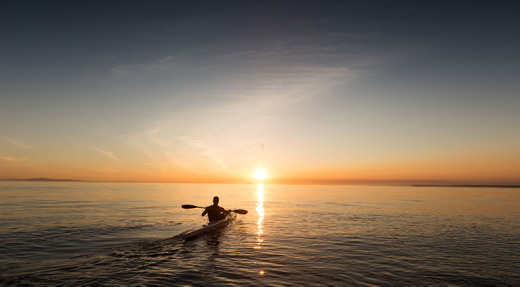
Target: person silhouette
215, 212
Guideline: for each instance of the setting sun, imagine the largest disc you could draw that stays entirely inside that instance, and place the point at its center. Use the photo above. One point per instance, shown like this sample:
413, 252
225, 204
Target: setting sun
260, 174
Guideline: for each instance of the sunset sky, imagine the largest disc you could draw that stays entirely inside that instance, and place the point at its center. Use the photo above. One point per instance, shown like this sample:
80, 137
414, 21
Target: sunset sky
209, 91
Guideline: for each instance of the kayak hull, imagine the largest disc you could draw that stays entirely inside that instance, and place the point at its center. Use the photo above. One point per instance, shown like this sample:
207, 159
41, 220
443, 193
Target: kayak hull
210, 227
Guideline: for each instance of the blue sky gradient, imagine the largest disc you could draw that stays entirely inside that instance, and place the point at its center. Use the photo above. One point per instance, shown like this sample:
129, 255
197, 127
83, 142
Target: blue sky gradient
211, 90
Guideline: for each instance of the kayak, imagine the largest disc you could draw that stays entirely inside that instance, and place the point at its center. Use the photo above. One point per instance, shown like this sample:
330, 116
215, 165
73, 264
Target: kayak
210, 227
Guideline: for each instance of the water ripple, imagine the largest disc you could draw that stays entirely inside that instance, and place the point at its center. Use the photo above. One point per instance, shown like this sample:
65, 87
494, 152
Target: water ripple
338, 237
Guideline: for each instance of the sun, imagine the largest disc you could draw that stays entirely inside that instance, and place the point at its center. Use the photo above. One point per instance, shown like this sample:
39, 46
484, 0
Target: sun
260, 174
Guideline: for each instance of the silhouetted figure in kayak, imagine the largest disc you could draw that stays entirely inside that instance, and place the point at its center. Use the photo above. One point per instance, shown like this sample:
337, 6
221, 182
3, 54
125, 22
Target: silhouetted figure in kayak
214, 211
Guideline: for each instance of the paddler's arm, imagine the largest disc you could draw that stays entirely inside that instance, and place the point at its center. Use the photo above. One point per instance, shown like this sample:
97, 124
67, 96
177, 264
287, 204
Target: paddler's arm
204, 212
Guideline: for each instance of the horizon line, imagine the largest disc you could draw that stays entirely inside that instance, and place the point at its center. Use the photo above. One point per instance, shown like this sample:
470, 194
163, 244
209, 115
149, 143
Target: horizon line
298, 181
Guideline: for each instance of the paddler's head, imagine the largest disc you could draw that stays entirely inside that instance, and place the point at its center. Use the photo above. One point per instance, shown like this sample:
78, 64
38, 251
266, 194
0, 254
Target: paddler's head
215, 200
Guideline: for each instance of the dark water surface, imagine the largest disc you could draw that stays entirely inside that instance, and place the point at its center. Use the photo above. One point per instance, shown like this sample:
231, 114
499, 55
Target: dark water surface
124, 234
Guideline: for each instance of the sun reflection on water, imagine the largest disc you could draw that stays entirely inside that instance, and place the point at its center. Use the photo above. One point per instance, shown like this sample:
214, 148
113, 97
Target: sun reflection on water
260, 212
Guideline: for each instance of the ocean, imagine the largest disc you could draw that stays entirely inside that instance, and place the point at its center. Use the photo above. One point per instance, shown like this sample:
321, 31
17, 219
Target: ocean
130, 234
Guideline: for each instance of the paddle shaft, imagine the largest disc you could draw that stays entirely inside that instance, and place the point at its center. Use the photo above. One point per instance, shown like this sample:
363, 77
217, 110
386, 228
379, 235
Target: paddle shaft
189, 206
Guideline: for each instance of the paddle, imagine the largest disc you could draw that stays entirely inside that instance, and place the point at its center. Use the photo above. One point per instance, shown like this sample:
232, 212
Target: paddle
189, 206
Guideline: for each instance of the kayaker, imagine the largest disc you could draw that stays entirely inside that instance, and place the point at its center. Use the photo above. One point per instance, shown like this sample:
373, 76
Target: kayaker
214, 211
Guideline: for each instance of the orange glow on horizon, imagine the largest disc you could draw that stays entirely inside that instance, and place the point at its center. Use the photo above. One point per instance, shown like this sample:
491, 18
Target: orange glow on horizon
493, 168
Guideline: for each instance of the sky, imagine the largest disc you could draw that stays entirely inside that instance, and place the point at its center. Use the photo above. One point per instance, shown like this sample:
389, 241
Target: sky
311, 91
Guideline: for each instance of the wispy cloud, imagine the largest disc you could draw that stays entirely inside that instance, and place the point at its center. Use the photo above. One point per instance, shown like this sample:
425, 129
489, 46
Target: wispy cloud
206, 150
12, 159
241, 112
16, 143
241, 99
106, 153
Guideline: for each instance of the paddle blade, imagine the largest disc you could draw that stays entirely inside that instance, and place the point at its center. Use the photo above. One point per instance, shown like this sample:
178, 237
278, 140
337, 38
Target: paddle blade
240, 211
188, 206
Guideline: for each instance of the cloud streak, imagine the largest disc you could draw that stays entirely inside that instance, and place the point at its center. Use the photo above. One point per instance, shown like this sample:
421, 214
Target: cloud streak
12, 159
106, 153
16, 143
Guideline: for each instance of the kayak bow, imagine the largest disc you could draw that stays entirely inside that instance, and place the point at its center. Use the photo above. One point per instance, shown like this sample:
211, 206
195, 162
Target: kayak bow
210, 227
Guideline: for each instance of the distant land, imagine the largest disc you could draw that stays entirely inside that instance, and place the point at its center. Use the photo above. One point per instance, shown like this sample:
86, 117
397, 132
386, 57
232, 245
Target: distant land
466, 185
317, 182
40, 179
386, 182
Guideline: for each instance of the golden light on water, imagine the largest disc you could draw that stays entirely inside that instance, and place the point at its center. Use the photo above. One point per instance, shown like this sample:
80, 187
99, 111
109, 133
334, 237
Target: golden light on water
260, 212
260, 174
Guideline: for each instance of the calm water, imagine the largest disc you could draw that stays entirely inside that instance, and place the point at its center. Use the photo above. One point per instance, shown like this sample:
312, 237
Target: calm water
128, 234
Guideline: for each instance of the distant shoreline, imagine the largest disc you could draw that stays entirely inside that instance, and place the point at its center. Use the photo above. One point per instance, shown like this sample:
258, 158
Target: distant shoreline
42, 179
309, 182
466, 185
